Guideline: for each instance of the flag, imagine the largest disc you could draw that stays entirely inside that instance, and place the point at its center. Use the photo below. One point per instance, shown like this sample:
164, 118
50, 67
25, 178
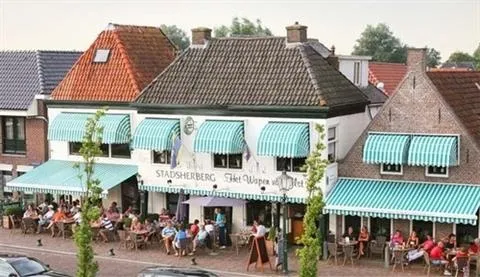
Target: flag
246, 150
177, 144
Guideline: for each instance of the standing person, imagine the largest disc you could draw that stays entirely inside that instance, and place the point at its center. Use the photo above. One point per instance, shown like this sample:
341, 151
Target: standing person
194, 228
220, 221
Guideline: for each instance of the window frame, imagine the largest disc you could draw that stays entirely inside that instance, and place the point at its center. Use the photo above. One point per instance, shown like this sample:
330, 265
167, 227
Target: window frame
257, 206
168, 160
227, 161
15, 140
332, 141
105, 154
71, 146
383, 172
103, 56
118, 156
428, 174
290, 160
356, 72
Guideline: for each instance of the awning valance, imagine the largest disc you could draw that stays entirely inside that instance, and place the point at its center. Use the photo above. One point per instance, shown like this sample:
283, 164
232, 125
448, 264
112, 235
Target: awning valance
61, 177
433, 151
156, 134
386, 149
220, 137
281, 139
449, 203
226, 194
71, 127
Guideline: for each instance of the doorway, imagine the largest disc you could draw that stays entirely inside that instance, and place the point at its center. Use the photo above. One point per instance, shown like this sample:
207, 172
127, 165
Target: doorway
209, 213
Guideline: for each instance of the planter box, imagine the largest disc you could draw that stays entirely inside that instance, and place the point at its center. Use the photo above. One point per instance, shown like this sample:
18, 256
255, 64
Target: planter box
7, 224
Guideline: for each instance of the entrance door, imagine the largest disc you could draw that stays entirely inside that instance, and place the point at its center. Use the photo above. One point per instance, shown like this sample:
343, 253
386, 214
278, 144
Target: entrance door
130, 195
209, 213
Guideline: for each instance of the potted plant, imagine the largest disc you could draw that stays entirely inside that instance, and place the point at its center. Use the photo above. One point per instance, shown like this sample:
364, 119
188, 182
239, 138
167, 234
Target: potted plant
270, 242
11, 211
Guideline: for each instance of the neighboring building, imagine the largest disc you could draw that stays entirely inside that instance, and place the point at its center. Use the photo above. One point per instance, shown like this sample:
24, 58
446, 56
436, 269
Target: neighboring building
26, 79
386, 76
112, 72
225, 95
456, 66
415, 167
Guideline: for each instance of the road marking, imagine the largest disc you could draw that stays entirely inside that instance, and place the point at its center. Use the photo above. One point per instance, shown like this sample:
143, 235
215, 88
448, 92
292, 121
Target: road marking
58, 252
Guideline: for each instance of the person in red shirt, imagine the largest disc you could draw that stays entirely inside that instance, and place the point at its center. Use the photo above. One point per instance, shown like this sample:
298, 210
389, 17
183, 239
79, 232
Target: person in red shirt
437, 257
474, 247
426, 246
57, 217
194, 228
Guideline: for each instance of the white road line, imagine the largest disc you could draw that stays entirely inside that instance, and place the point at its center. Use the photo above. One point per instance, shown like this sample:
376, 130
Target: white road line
57, 252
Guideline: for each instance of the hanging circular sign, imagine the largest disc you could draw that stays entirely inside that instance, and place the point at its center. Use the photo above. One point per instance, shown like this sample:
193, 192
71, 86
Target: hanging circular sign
188, 125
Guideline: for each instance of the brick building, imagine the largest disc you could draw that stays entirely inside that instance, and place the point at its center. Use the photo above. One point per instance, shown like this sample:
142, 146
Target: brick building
416, 166
26, 79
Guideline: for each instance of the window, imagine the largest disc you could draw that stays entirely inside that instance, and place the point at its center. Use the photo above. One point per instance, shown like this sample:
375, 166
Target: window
105, 150
259, 210
436, 171
172, 200
20, 173
101, 55
393, 169
227, 161
356, 73
74, 148
423, 228
332, 144
380, 227
466, 233
120, 150
163, 157
13, 131
290, 164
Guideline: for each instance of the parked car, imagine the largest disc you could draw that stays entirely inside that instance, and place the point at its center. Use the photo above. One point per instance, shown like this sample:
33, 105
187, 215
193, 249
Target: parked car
170, 271
12, 265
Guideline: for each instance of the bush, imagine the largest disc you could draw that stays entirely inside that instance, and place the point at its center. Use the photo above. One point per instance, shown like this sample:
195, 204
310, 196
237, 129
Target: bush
272, 233
17, 211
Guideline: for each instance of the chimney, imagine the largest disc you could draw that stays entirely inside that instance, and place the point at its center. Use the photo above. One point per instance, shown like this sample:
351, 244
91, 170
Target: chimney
201, 35
417, 59
296, 33
332, 59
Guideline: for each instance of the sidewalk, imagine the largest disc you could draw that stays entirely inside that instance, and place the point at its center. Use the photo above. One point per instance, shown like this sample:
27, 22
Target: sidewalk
225, 261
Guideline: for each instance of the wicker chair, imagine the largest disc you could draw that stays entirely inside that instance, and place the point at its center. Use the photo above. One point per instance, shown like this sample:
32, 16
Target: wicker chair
348, 254
333, 252
462, 264
377, 246
28, 224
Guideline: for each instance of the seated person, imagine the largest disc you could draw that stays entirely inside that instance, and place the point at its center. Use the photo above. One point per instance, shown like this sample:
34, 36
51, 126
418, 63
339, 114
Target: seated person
106, 227
168, 234
474, 247
129, 213
136, 226
57, 217
462, 254
45, 219
77, 219
349, 234
396, 239
31, 212
451, 242
113, 213
75, 207
426, 246
201, 239
180, 241
413, 240
363, 239
194, 228
438, 258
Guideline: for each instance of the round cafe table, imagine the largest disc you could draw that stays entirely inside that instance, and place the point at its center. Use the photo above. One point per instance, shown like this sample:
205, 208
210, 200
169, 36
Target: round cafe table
348, 250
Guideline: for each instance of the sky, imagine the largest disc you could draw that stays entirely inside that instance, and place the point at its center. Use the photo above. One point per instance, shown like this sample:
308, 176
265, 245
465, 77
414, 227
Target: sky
447, 26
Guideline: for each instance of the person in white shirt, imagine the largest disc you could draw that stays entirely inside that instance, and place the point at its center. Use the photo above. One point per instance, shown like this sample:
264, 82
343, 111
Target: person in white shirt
261, 230
209, 227
45, 219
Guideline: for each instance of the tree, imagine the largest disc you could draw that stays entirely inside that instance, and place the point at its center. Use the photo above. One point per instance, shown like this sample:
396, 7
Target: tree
176, 35
380, 43
476, 56
242, 27
86, 265
459, 56
433, 57
312, 237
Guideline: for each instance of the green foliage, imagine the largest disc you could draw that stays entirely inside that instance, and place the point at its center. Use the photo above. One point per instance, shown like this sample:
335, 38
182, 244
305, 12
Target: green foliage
380, 43
312, 238
127, 222
14, 210
242, 27
460, 57
176, 35
272, 233
476, 56
86, 265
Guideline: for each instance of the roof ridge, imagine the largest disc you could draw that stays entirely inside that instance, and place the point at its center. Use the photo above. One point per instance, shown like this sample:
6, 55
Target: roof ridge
389, 63
40, 71
116, 25
128, 62
247, 37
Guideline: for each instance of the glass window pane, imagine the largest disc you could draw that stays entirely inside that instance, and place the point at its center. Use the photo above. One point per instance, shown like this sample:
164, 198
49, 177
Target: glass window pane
331, 133
219, 160
380, 227
331, 152
437, 170
74, 148
101, 55
120, 150
259, 210
20, 128
284, 164
163, 157
8, 128
392, 168
297, 164
354, 222
104, 148
235, 160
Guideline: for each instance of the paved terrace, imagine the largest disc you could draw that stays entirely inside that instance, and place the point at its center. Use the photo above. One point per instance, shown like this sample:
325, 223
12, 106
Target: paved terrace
60, 254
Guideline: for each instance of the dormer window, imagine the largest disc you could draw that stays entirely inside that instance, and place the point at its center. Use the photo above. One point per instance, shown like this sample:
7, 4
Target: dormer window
101, 55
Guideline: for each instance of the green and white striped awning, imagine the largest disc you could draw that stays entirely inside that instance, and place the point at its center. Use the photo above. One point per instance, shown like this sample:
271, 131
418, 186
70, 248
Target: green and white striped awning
226, 194
282, 139
220, 137
62, 177
449, 203
156, 134
386, 149
433, 151
71, 127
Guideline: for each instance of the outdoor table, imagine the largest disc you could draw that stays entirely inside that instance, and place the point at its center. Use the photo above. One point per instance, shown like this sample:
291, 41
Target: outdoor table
239, 239
348, 250
403, 252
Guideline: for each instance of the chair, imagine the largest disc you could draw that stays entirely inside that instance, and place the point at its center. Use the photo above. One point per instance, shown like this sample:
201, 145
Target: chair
428, 263
124, 239
16, 222
398, 259
138, 240
333, 251
28, 224
462, 264
348, 254
377, 246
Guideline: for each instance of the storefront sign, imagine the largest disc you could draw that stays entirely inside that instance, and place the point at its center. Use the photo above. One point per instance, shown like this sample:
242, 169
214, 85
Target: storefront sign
189, 125
231, 178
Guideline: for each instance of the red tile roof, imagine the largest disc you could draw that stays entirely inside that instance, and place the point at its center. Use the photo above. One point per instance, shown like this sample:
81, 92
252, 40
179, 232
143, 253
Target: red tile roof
137, 55
390, 74
461, 90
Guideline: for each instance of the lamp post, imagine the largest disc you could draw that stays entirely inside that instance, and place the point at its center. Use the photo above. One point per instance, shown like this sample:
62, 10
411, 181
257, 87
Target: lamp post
285, 183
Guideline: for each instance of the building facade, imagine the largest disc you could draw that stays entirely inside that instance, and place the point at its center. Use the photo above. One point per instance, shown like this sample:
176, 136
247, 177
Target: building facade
414, 168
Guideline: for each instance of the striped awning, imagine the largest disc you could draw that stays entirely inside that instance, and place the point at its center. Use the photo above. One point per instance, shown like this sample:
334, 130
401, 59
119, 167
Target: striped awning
220, 137
71, 127
386, 149
433, 151
281, 139
156, 134
62, 177
448, 203
226, 194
